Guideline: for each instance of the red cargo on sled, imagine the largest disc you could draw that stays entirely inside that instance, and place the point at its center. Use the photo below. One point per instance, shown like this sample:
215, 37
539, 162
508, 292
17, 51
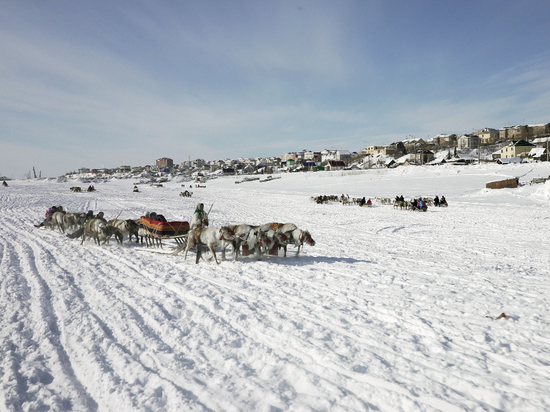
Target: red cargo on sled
245, 251
163, 229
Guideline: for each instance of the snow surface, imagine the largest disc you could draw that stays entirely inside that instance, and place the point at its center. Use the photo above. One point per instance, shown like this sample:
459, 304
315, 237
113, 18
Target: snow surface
387, 312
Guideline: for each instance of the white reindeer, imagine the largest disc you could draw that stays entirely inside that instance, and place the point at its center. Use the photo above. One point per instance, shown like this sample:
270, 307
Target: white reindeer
210, 237
297, 238
245, 235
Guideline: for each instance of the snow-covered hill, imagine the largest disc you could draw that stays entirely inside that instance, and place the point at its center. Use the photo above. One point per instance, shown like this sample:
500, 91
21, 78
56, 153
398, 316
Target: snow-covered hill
389, 311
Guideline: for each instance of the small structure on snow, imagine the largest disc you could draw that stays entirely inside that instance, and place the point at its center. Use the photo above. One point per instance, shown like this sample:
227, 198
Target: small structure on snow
507, 183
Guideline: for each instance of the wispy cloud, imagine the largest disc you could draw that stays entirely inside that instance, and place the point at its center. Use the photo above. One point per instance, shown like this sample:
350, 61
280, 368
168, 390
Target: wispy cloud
211, 80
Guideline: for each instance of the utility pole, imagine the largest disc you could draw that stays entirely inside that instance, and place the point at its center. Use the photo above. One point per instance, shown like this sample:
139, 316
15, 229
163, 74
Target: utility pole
479, 151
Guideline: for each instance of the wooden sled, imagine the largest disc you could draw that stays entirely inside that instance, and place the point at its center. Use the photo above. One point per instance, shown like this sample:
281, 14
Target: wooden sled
154, 231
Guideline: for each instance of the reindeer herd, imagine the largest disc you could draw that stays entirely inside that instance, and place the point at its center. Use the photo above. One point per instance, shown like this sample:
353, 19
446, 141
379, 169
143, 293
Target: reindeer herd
99, 229
398, 203
259, 240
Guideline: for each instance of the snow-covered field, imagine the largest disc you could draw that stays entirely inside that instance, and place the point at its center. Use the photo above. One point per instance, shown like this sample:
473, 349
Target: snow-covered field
387, 312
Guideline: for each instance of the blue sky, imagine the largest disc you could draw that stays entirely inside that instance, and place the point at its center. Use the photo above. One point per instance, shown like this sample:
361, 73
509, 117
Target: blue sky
110, 83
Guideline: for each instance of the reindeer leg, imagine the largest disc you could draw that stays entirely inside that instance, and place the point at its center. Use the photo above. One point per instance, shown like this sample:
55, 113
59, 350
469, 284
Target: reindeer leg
199, 255
213, 253
178, 250
236, 247
189, 245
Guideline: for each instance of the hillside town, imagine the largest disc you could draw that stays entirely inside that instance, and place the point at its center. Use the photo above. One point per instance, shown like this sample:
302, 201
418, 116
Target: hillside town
510, 144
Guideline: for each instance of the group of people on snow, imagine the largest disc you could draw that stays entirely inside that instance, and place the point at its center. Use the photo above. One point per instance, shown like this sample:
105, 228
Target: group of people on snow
364, 202
415, 204
156, 217
48, 215
419, 204
440, 202
344, 199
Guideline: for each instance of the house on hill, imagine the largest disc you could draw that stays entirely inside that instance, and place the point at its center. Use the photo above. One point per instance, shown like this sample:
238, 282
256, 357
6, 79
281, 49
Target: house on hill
468, 141
487, 135
538, 130
422, 156
335, 165
413, 144
516, 149
443, 140
519, 132
524, 132
310, 165
538, 153
164, 162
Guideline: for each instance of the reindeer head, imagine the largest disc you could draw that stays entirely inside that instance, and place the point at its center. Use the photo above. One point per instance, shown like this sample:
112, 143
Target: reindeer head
226, 233
306, 237
109, 231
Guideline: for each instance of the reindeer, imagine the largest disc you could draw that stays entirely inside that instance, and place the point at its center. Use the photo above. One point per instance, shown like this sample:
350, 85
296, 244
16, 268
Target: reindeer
272, 233
245, 235
99, 231
70, 220
208, 236
297, 237
126, 227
